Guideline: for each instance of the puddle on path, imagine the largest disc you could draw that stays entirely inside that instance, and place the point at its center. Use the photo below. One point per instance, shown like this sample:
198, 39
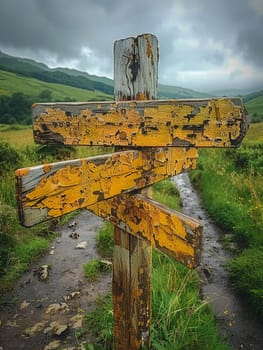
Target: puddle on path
237, 322
27, 304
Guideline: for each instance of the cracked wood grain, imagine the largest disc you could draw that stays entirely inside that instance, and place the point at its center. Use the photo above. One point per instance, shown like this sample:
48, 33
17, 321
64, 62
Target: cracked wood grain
173, 233
54, 189
218, 122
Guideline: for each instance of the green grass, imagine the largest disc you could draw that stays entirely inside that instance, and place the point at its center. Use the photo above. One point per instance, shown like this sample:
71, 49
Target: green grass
246, 272
181, 320
230, 183
93, 269
11, 83
18, 246
105, 240
255, 108
165, 192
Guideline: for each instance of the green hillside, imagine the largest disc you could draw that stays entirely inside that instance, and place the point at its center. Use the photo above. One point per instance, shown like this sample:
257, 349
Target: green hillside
11, 83
73, 77
255, 108
166, 91
32, 69
40, 83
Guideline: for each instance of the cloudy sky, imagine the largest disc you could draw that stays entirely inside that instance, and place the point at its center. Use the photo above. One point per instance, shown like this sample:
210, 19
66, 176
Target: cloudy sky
204, 44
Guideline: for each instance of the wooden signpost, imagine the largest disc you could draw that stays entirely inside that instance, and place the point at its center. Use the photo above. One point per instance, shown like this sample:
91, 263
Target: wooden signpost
154, 140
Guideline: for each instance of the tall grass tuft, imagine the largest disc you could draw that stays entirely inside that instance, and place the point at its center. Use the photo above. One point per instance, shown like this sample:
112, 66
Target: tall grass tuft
230, 183
181, 320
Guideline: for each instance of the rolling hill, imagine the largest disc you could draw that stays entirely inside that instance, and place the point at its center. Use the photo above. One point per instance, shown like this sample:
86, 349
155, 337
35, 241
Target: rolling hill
72, 77
11, 83
31, 78
255, 108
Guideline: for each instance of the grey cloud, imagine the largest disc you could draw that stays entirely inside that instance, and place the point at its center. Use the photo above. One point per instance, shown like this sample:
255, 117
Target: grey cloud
60, 29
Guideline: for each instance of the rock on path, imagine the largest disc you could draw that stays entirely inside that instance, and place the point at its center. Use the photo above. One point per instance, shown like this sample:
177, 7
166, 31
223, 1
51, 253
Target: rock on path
49, 302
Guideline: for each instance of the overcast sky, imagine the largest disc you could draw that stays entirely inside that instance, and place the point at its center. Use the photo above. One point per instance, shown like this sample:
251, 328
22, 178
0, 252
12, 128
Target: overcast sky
204, 44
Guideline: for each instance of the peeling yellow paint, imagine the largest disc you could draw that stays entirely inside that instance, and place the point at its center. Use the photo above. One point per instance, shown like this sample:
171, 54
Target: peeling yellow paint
204, 123
47, 168
174, 233
63, 187
22, 172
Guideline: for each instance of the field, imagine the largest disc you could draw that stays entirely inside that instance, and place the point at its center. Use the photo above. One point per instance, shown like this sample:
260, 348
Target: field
255, 108
11, 83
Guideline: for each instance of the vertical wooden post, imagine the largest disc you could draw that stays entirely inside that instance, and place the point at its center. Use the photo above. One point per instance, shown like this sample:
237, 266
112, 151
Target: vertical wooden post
135, 77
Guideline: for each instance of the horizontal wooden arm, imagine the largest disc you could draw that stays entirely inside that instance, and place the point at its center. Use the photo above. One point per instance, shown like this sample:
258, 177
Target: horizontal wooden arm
175, 234
218, 122
52, 190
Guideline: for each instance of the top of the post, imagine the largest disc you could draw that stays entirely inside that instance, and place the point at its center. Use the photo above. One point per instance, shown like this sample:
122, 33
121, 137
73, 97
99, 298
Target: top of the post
136, 68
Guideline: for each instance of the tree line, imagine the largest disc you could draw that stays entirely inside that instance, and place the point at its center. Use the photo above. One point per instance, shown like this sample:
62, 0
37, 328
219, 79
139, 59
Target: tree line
16, 108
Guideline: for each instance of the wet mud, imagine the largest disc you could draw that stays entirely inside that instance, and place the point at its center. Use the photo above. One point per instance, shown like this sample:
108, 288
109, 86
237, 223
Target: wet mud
46, 314
237, 323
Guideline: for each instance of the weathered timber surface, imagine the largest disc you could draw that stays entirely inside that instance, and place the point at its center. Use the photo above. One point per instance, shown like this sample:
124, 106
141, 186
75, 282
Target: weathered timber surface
135, 62
52, 190
175, 234
131, 290
136, 68
180, 123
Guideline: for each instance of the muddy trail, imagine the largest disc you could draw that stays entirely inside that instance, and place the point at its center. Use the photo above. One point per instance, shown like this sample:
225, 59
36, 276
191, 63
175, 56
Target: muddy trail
46, 314
237, 323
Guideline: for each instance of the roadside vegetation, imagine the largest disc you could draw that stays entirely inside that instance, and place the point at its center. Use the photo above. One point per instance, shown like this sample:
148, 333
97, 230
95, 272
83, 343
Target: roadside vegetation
181, 320
230, 183
20, 246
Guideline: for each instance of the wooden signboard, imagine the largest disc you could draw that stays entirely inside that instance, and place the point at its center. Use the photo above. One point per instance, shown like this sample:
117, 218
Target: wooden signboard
157, 123
154, 140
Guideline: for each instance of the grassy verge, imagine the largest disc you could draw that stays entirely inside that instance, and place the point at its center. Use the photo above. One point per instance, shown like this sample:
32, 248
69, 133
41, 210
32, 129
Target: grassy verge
20, 246
231, 189
181, 320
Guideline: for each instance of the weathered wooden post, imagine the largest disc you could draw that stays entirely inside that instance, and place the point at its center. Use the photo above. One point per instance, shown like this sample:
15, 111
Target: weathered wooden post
160, 138
135, 78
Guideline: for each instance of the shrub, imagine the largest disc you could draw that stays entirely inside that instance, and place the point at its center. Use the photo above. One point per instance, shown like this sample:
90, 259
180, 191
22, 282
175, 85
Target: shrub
248, 158
9, 158
59, 152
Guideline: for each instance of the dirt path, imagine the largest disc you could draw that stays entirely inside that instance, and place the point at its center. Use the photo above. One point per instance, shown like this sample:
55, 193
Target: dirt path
36, 310
237, 322
46, 314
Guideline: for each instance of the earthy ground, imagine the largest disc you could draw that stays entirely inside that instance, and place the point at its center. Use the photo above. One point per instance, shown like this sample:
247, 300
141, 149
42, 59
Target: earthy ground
46, 314
238, 324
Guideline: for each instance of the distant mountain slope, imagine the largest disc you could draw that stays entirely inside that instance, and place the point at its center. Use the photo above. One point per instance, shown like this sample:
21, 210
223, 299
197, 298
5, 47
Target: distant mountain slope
253, 96
83, 80
32, 69
166, 91
254, 105
75, 72
11, 83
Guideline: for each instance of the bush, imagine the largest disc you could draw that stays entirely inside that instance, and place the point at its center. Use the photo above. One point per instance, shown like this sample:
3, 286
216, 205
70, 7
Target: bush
9, 158
248, 158
59, 152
